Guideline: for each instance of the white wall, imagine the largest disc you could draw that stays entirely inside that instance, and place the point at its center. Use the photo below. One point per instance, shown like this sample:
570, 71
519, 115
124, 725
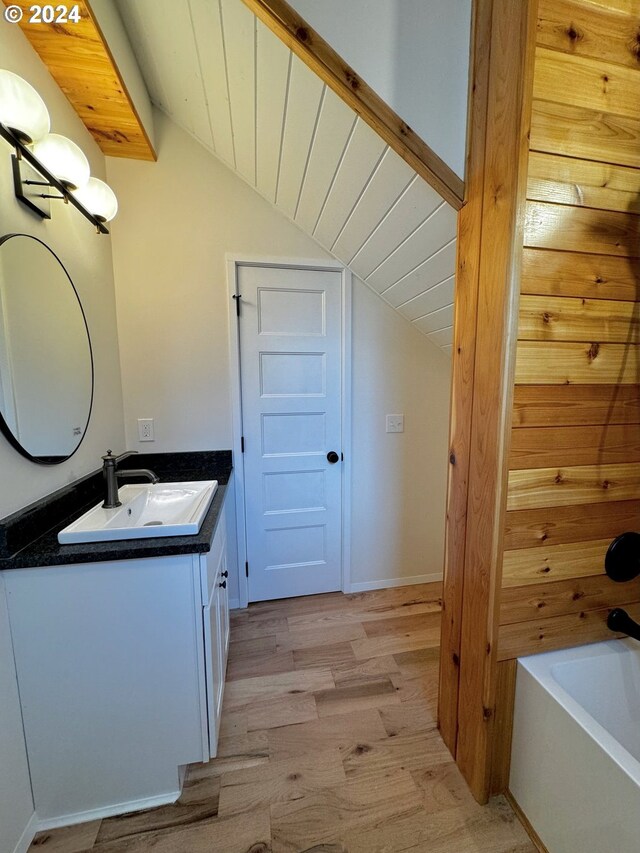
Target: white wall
414, 54
87, 258
177, 220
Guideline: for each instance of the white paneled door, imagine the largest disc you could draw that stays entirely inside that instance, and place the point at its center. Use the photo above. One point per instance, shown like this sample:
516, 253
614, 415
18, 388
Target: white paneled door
291, 374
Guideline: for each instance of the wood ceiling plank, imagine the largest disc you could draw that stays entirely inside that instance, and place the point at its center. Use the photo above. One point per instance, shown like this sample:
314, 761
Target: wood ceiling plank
336, 124
239, 27
436, 321
321, 58
415, 205
387, 183
207, 28
361, 157
82, 65
304, 99
431, 272
438, 230
273, 63
433, 299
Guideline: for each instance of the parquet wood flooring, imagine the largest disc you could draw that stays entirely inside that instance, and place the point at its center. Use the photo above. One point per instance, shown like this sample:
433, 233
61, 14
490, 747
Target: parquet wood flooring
328, 744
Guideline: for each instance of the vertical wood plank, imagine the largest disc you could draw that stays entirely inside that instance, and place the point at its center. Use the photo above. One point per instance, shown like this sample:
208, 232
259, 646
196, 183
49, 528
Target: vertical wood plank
505, 698
463, 363
506, 153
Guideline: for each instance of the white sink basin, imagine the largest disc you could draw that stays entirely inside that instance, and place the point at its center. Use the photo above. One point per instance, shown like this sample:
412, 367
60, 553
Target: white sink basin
147, 511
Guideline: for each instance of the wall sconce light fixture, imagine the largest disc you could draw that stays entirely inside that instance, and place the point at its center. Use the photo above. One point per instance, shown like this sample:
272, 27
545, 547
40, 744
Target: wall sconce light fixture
53, 163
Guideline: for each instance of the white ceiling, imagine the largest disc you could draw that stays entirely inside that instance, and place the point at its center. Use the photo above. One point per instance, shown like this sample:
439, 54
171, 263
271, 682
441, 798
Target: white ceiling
220, 74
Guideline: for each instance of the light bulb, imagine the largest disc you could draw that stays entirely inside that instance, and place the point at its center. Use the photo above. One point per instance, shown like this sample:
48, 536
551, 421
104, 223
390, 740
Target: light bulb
64, 159
22, 109
99, 199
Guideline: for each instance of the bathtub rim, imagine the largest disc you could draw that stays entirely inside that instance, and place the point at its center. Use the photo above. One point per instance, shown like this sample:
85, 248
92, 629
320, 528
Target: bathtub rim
539, 667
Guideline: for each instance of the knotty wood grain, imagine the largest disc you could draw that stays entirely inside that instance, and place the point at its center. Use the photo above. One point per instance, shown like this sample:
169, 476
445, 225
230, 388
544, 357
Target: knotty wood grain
557, 632
506, 150
591, 134
560, 363
575, 405
577, 229
80, 61
580, 445
463, 365
590, 30
505, 698
585, 82
580, 484
545, 271
583, 183
553, 318
530, 528
525, 566
522, 604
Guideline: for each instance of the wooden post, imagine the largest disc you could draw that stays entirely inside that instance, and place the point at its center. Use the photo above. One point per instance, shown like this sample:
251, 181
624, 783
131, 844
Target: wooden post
489, 257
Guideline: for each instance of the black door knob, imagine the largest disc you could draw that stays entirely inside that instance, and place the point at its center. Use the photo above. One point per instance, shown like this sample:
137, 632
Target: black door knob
333, 457
223, 584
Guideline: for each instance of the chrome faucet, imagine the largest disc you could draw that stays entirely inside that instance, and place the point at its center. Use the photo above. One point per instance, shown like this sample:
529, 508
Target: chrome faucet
112, 475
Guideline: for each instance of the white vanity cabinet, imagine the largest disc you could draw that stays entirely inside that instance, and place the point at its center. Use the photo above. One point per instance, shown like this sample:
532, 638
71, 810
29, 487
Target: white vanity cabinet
121, 670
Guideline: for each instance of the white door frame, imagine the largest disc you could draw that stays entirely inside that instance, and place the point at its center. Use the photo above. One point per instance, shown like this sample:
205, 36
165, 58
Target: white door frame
233, 262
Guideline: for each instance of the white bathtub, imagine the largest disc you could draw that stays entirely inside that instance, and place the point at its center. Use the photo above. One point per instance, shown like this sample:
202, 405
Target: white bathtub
575, 759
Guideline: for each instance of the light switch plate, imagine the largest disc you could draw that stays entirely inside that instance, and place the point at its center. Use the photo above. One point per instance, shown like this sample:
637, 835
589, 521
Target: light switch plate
395, 423
145, 429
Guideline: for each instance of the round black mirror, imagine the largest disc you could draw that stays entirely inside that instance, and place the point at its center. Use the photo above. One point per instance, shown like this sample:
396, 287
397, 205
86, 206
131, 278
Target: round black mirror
46, 363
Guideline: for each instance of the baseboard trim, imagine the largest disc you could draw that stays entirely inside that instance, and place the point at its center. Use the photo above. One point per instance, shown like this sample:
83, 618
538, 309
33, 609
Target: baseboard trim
234, 604
524, 820
28, 834
388, 583
108, 811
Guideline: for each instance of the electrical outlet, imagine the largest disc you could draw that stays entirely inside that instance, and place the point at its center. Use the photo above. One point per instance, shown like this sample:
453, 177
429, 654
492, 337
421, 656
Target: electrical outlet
145, 429
395, 423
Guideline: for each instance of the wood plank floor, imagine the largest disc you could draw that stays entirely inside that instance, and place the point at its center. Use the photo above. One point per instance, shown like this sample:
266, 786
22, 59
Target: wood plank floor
328, 743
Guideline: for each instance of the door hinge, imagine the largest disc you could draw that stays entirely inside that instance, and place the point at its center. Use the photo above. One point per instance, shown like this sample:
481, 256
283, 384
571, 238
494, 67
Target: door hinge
241, 444
237, 297
246, 569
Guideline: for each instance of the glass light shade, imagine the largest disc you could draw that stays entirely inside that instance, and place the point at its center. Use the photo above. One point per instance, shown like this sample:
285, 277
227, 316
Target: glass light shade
22, 109
99, 199
64, 159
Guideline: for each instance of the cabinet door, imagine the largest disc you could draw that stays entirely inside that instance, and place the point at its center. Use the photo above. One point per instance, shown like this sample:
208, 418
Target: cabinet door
214, 668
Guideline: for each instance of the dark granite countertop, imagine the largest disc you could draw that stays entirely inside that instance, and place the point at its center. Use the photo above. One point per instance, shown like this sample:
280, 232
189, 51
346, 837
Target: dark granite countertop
29, 537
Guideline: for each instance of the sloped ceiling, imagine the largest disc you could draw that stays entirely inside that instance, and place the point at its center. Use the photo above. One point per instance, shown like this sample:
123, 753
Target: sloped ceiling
220, 74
